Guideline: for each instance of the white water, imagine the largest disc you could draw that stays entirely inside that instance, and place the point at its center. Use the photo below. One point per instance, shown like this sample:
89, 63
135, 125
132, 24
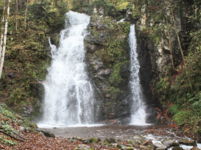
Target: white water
69, 98
138, 112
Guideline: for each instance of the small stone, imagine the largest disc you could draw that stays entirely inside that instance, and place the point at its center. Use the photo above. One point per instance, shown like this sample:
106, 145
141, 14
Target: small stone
148, 142
22, 128
114, 144
159, 146
46, 133
91, 48
104, 72
177, 148
195, 148
107, 95
187, 142
170, 143
83, 147
160, 149
144, 147
129, 148
123, 147
110, 140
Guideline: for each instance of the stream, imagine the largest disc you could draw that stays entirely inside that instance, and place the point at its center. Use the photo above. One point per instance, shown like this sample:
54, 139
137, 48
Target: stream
161, 137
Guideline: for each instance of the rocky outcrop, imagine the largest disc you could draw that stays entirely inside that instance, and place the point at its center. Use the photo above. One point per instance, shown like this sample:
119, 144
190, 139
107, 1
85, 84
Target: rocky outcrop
162, 35
108, 64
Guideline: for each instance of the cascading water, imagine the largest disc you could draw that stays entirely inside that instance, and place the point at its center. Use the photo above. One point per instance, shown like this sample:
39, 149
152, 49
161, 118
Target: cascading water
69, 98
138, 109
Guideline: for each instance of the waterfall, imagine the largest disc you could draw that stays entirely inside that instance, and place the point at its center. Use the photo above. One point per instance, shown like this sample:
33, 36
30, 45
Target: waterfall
138, 108
69, 97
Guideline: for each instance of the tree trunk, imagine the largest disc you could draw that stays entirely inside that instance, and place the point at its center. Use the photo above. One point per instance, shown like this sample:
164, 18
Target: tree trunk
25, 15
55, 3
2, 28
4, 33
16, 14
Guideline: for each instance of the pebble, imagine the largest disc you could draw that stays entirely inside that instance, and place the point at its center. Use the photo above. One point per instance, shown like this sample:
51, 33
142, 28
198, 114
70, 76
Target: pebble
83, 147
159, 146
170, 143
187, 142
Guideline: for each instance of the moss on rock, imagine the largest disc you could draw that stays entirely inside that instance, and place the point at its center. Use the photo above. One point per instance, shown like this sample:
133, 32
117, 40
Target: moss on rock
108, 64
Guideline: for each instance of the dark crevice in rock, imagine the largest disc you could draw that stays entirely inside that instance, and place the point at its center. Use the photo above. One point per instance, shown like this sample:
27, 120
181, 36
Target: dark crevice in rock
145, 49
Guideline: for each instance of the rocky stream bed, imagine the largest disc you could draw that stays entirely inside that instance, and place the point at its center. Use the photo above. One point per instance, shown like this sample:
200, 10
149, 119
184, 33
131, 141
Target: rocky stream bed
126, 137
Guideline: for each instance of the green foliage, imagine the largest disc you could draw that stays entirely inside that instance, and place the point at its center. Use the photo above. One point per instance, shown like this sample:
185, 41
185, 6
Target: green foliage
8, 118
112, 8
163, 84
115, 92
51, 15
5, 141
1, 4
124, 27
16, 96
27, 54
109, 9
195, 104
119, 4
115, 49
1, 11
183, 90
174, 109
117, 52
5, 112
122, 5
189, 118
7, 128
182, 117
82, 6
111, 38
115, 78
162, 88
10, 124
180, 86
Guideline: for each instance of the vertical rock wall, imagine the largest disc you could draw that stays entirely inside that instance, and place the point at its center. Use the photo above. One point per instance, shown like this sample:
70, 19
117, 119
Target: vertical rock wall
108, 64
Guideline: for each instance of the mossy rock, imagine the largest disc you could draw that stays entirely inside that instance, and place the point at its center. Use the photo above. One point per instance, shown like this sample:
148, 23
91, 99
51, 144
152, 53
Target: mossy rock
111, 55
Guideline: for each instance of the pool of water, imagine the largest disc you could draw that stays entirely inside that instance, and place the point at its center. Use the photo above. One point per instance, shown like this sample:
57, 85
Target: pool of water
159, 135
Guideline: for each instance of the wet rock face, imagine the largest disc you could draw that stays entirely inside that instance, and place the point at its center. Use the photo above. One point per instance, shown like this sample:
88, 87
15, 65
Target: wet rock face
161, 37
145, 53
108, 65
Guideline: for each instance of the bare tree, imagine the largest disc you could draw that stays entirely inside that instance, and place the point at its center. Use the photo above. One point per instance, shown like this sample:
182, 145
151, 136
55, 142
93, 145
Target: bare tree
25, 15
4, 30
16, 14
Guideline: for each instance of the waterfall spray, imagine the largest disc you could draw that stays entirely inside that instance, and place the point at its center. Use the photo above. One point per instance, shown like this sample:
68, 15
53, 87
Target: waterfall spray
69, 97
138, 109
